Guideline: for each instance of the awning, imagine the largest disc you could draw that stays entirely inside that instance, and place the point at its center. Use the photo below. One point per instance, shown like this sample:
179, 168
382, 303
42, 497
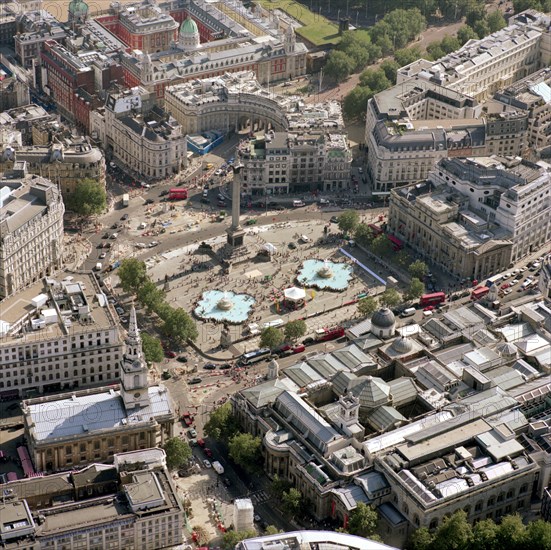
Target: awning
270, 248
294, 294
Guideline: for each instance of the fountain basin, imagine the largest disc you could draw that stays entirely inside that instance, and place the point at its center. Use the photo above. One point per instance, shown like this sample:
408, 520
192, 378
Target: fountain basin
325, 275
224, 306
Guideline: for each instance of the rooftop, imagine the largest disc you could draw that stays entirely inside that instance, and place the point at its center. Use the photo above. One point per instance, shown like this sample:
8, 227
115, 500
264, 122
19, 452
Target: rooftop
66, 306
91, 411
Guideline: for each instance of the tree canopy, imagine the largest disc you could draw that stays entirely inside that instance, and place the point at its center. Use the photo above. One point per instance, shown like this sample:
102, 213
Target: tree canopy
271, 337
245, 450
381, 246
149, 295
132, 274
390, 297
455, 533
295, 330
89, 197
221, 424
348, 220
278, 486
180, 326
152, 348
366, 306
231, 538
418, 269
177, 452
291, 501
363, 234
363, 520
415, 290
339, 65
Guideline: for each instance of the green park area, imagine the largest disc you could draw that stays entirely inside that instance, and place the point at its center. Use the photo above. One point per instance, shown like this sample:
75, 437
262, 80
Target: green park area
315, 28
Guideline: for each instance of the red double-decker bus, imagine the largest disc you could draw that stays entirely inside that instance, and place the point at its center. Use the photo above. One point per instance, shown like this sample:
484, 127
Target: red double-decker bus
177, 193
397, 244
376, 229
432, 299
479, 292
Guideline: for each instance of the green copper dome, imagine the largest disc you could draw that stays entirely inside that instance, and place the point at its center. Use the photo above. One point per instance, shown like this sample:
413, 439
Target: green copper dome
78, 8
189, 27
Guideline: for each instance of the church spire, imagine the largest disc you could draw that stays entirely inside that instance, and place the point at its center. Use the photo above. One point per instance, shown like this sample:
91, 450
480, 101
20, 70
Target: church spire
133, 330
134, 369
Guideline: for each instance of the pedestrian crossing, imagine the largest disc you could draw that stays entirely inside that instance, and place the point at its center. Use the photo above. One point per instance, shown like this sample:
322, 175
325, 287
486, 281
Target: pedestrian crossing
258, 497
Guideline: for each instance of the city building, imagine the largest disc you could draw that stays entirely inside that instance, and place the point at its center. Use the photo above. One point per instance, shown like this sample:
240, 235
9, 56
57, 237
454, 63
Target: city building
8, 25
296, 539
482, 67
235, 101
33, 29
145, 26
413, 125
65, 75
14, 91
474, 217
21, 120
130, 505
139, 134
63, 161
178, 41
449, 414
445, 108
533, 95
58, 334
544, 282
125, 418
31, 228
283, 162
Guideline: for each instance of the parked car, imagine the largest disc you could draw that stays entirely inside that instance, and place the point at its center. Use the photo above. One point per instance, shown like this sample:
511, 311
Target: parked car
170, 354
192, 433
208, 452
153, 243
196, 380
209, 366
225, 366
299, 348
292, 246
182, 359
124, 218
207, 464
334, 219
201, 443
149, 201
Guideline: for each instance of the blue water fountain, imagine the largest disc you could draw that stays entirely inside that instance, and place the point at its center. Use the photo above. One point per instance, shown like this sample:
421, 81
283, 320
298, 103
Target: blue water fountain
325, 275
224, 307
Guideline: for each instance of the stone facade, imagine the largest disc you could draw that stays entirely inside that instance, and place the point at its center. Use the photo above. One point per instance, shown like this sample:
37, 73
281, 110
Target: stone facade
31, 225
475, 217
55, 348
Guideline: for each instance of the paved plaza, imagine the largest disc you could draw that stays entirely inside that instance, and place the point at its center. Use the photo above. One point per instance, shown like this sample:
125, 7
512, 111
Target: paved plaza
191, 271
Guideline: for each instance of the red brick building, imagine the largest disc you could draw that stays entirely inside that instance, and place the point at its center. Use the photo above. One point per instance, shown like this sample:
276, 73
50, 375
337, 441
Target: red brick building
65, 74
143, 27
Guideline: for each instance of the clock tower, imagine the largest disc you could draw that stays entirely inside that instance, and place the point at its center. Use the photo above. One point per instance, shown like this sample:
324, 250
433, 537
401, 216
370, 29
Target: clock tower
134, 386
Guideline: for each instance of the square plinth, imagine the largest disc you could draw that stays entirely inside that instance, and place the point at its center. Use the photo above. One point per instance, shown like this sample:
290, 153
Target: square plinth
236, 237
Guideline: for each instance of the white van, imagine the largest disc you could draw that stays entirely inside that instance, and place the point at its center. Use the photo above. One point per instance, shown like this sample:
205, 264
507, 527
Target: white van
408, 312
298, 204
143, 225
98, 266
